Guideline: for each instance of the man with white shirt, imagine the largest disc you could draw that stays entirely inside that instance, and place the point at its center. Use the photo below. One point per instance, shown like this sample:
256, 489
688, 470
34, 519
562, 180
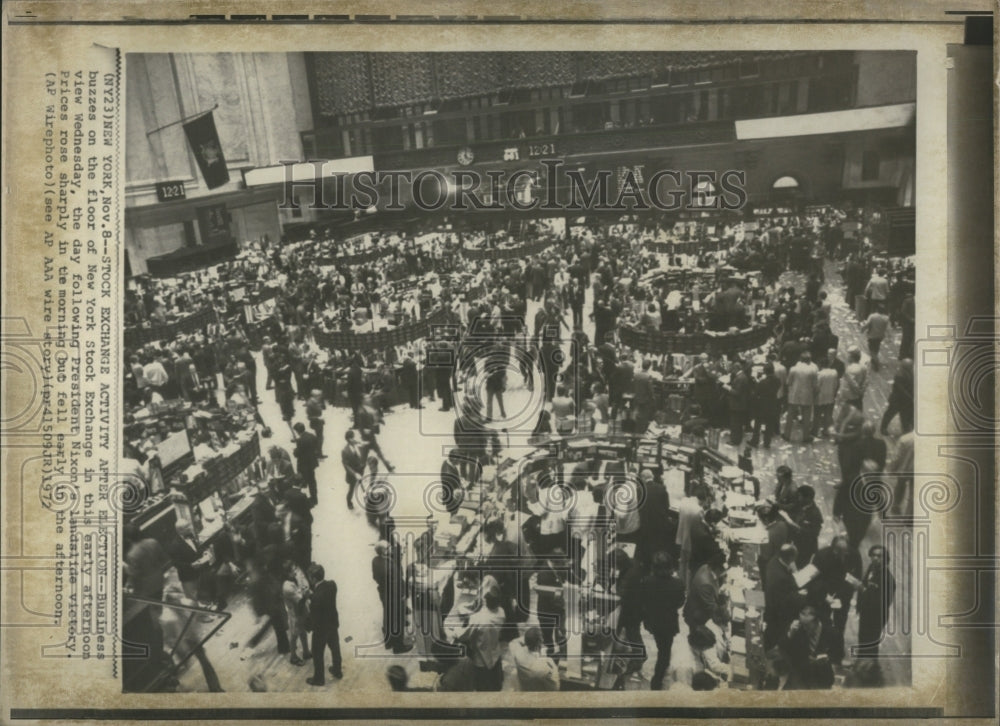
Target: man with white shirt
535, 670
137, 368
155, 374
561, 280
875, 328
854, 381
550, 508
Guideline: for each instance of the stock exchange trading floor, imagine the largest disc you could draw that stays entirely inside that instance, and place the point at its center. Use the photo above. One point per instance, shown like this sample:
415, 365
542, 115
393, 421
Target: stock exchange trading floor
244, 653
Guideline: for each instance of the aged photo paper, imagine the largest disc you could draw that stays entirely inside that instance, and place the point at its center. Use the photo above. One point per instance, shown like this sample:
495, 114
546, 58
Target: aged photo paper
361, 364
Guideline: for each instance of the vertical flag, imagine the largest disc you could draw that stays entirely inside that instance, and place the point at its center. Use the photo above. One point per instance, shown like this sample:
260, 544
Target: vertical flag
204, 140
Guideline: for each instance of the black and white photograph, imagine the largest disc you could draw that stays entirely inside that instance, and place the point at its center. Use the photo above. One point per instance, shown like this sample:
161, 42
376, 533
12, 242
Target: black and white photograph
518, 371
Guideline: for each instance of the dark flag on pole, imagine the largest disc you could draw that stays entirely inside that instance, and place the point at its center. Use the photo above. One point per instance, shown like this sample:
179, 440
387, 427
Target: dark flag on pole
204, 140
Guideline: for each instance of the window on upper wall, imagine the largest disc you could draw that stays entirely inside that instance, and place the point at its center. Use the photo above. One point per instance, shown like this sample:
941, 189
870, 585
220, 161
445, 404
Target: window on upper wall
725, 103
520, 95
638, 83
660, 109
661, 77
703, 106
688, 111
870, 163
789, 97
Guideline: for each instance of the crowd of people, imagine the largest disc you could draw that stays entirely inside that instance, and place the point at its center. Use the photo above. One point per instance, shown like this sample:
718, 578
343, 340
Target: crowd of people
803, 386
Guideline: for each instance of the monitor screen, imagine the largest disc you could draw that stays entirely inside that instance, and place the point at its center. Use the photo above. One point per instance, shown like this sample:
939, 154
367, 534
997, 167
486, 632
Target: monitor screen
173, 448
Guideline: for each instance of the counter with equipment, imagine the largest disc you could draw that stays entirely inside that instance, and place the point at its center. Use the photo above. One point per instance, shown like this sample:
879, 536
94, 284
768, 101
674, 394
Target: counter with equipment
523, 496
215, 488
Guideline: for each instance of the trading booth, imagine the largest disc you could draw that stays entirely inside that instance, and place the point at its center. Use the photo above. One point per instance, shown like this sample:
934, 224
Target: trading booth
453, 559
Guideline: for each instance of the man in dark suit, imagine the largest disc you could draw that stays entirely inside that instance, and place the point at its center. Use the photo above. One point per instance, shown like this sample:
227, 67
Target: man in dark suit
355, 383
767, 406
704, 386
307, 457
835, 562
790, 352
645, 397
657, 526
835, 362
739, 390
314, 410
705, 600
442, 357
809, 646
875, 597
388, 576
604, 320
353, 459
541, 319
704, 538
808, 522
246, 357
907, 319
781, 596
620, 385
900, 398
410, 378
474, 440
779, 533
662, 594
325, 625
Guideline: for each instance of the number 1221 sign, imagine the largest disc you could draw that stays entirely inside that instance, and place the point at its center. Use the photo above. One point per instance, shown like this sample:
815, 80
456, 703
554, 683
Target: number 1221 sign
168, 191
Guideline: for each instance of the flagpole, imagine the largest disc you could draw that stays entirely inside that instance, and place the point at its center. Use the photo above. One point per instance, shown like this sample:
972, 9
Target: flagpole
180, 121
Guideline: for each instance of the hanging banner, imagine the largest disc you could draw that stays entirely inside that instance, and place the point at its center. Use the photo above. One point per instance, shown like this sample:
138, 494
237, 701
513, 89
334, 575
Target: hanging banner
204, 140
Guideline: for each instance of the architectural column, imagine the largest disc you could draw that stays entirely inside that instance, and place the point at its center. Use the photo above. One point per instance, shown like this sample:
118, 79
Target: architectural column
614, 111
802, 97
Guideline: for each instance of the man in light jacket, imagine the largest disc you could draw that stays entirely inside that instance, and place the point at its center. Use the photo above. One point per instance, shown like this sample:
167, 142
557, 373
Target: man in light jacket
827, 383
875, 328
803, 385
